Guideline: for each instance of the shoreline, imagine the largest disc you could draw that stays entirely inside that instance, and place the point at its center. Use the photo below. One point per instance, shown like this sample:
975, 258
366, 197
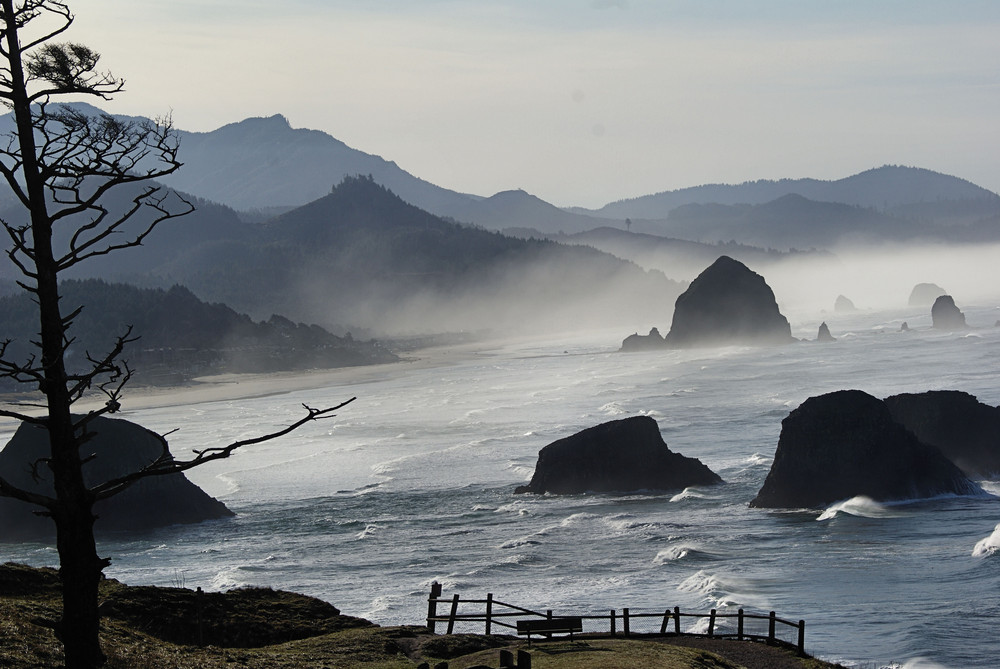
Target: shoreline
231, 387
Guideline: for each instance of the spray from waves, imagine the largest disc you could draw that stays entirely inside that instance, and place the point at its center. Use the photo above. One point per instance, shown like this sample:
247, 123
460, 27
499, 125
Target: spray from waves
921, 663
758, 459
988, 546
723, 591
860, 506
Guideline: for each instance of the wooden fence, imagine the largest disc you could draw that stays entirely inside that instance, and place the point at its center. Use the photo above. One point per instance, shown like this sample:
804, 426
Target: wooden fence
499, 617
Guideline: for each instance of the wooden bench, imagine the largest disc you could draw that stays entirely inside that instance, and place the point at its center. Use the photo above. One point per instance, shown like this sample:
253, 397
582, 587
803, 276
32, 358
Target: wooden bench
549, 626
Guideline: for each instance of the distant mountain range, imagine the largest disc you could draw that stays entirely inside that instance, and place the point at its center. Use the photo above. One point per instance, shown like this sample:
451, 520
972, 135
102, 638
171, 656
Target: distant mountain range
261, 163
264, 166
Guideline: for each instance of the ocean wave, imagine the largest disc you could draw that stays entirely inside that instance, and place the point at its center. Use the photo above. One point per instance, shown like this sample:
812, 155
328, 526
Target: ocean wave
519, 543
988, 546
690, 493
369, 531
227, 580
758, 459
685, 552
860, 506
613, 409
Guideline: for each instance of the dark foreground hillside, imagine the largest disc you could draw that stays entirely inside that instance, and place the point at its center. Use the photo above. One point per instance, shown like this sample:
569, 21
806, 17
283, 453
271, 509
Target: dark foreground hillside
260, 628
180, 336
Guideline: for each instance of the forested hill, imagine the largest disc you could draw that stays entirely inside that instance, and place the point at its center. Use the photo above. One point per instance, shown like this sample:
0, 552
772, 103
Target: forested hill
181, 336
361, 256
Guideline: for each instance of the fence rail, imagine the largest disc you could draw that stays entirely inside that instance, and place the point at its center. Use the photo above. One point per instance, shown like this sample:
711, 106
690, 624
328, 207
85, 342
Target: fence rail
494, 614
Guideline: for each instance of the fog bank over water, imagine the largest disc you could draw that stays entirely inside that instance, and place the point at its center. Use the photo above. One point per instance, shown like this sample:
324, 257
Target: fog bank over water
882, 277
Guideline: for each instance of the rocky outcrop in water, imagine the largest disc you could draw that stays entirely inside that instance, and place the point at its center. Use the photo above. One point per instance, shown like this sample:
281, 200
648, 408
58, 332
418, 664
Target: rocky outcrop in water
946, 316
728, 304
846, 443
619, 456
924, 294
119, 447
843, 305
964, 429
638, 342
823, 335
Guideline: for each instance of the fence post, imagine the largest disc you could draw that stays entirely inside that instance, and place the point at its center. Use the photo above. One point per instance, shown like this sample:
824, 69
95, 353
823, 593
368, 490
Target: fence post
711, 624
666, 619
802, 637
198, 594
489, 612
432, 605
451, 616
739, 626
612, 622
625, 623
677, 620
770, 628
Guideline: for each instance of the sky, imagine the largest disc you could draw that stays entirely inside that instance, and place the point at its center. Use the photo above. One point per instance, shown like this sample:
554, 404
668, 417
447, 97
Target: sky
580, 102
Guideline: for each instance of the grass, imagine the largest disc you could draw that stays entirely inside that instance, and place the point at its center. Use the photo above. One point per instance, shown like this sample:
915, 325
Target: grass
259, 628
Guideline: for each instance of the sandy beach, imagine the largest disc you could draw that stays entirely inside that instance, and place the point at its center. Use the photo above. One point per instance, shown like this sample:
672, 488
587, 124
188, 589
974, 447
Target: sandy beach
225, 387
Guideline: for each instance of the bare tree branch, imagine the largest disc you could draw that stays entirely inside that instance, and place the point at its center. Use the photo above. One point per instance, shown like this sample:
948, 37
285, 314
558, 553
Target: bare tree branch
165, 464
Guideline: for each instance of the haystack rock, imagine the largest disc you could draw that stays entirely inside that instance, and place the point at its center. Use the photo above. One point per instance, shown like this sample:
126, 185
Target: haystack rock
846, 443
924, 294
625, 455
728, 304
824, 333
843, 305
964, 429
638, 342
120, 447
946, 316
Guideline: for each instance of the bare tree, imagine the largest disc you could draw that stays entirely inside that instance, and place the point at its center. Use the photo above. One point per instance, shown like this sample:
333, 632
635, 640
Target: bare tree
61, 164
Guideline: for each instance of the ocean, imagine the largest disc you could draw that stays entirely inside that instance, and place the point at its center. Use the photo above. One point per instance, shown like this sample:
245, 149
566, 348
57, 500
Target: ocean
413, 483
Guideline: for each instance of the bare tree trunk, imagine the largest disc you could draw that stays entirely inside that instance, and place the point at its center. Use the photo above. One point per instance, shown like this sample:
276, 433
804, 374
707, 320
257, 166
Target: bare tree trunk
80, 573
80, 567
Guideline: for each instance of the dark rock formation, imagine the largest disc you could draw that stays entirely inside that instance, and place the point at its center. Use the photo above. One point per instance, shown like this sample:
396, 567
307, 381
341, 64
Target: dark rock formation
946, 316
824, 333
727, 304
924, 294
620, 456
905, 327
120, 447
638, 342
960, 426
846, 443
843, 305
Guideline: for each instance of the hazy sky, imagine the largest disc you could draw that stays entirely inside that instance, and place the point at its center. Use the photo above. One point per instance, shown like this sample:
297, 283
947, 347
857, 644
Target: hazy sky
580, 102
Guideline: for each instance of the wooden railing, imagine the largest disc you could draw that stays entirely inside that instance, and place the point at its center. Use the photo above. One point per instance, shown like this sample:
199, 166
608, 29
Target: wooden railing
495, 614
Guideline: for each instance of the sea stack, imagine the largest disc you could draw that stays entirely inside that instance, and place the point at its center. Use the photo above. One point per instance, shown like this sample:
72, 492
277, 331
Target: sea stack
823, 334
728, 304
119, 447
846, 443
964, 429
638, 342
946, 316
625, 455
843, 305
924, 294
